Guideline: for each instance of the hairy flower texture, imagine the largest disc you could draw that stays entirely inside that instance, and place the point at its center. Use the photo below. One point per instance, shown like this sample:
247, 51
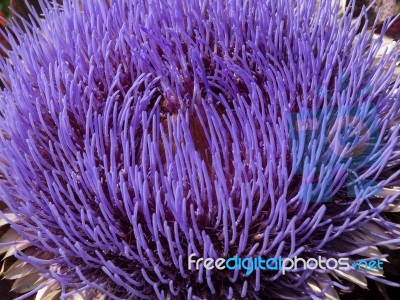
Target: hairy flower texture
136, 133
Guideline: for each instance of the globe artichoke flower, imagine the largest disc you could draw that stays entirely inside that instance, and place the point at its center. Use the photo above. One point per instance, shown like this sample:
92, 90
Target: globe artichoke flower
136, 133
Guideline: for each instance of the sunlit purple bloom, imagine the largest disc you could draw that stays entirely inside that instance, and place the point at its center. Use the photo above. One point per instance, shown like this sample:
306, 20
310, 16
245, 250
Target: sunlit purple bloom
137, 133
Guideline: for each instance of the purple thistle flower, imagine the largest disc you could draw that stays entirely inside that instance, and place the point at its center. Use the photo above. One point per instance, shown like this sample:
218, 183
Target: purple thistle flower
137, 133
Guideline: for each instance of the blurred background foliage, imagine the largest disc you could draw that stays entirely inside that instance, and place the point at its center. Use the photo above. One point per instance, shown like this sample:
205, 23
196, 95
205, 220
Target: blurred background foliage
18, 6
4, 5
4, 12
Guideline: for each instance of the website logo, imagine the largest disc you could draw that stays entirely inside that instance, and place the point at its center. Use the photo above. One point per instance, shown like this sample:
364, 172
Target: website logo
250, 264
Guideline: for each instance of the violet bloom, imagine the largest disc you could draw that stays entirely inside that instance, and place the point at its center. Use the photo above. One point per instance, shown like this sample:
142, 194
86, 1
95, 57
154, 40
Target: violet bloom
136, 133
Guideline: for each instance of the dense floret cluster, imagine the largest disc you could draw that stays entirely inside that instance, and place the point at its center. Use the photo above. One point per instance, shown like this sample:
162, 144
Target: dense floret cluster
136, 133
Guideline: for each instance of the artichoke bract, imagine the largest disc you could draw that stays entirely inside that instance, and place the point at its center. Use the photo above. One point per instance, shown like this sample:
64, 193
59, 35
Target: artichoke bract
136, 133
